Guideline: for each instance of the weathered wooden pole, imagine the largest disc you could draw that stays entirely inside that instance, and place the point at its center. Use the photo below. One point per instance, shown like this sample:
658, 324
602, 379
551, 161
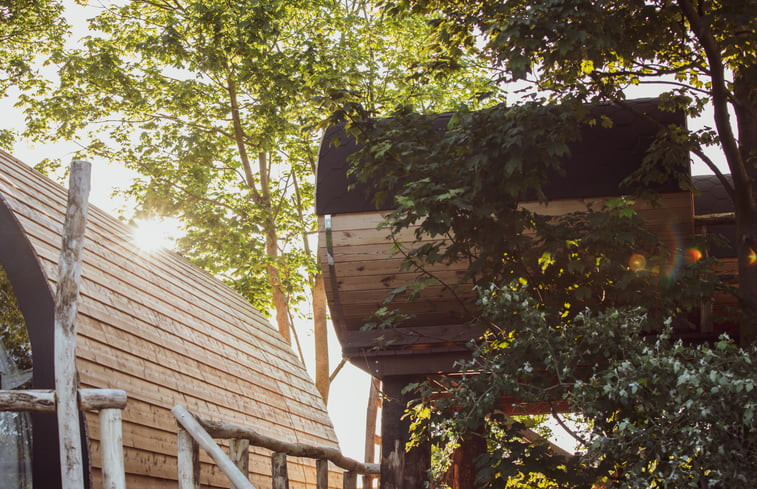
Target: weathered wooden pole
112, 449
239, 453
66, 308
279, 472
371, 415
188, 461
349, 480
322, 473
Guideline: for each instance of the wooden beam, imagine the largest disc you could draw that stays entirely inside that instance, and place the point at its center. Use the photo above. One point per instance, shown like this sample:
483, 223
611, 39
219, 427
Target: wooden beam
715, 219
188, 460
239, 452
112, 450
279, 472
43, 401
370, 429
322, 473
219, 429
28, 400
349, 480
190, 424
66, 309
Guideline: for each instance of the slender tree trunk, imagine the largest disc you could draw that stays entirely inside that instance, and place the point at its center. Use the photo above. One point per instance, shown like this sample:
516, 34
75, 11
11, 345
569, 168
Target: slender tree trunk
745, 93
320, 333
318, 291
280, 302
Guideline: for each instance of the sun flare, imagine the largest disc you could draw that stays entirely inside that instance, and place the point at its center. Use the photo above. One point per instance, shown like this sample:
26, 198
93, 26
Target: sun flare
153, 234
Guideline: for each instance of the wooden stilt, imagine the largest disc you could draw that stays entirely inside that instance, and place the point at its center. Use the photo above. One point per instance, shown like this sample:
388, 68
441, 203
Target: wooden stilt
400, 469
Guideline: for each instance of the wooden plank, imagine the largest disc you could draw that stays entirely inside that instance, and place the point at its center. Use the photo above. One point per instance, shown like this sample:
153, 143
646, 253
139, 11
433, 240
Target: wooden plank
188, 461
163, 386
239, 453
223, 309
66, 307
349, 480
279, 472
111, 448
322, 474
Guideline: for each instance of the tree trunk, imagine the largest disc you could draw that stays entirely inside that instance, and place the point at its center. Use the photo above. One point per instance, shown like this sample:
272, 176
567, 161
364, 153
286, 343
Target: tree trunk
280, 302
320, 333
745, 93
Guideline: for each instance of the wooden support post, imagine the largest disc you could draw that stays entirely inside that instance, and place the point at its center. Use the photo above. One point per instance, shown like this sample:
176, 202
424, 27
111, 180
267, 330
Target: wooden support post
371, 415
322, 473
462, 473
66, 308
111, 448
239, 452
188, 461
400, 469
349, 480
189, 423
279, 472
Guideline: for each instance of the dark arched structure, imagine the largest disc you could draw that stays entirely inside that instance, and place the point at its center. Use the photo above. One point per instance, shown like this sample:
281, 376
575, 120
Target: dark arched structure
37, 304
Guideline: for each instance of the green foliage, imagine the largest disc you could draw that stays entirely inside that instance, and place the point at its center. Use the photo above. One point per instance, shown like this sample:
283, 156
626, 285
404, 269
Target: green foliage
13, 333
660, 413
217, 105
29, 29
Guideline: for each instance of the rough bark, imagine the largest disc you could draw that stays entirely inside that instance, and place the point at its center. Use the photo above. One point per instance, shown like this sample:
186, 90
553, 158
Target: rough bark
280, 302
66, 309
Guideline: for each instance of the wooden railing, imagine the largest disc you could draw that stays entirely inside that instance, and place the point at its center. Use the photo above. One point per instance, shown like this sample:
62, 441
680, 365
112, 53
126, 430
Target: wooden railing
195, 432
109, 402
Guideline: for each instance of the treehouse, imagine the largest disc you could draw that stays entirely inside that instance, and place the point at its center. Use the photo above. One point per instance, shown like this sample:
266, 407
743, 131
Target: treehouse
157, 327
363, 273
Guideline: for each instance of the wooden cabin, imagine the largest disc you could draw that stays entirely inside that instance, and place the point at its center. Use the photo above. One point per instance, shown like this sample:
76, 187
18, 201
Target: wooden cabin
361, 267
159, 328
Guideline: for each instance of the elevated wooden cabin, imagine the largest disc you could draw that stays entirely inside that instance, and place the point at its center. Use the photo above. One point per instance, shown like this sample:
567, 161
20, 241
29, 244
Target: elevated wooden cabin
361, 265
159, 328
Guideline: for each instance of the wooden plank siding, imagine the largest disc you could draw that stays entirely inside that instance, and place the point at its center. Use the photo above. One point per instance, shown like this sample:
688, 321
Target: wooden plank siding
366, 267
168, 333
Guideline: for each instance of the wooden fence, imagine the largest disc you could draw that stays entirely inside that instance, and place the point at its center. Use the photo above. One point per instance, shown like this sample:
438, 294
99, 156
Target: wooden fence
110, 403
195, 432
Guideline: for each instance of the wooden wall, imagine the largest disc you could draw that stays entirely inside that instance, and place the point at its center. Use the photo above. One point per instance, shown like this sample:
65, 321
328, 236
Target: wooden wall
365, 266
168, 333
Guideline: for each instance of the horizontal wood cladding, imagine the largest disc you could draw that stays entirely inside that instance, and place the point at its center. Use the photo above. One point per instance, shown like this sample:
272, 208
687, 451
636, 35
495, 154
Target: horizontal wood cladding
364, 266
168, 333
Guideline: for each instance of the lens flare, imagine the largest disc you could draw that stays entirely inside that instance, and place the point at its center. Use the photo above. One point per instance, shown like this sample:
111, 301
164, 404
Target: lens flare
637, 262
693, 255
